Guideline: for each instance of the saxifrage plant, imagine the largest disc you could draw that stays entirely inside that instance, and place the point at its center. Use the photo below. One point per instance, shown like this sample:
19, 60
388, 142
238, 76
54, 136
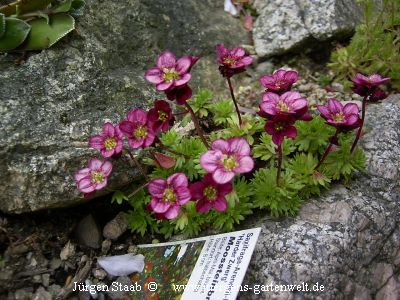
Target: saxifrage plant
273, 160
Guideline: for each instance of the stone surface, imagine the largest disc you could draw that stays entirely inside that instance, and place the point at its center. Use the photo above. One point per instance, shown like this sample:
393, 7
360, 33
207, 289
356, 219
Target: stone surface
348, 239
53, 102
116, 227
88, 233
284, 25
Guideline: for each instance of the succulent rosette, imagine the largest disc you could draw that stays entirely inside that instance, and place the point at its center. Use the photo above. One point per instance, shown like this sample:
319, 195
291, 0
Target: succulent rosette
210, 194
227, 158
279, 82
168, 195
109, 142
94, 177
136, 128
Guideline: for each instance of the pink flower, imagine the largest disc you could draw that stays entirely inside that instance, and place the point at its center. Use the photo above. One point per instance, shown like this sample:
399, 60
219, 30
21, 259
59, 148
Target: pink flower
342, 117
227, 158
368, 85
279, 127
109, 142
210, 194
280, 82
136, 129
169, 195
170, 72
94, 177
369, 81
289, 104
180, 94
232, 61
160, 116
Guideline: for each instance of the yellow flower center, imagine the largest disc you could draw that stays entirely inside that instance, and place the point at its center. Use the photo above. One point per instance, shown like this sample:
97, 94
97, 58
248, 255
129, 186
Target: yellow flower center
162, 116
229, 60
283, 106
338, 117
97, 177
229, 162
110, 143
140, 132
170, 74
210, 193
278, 127
169, 195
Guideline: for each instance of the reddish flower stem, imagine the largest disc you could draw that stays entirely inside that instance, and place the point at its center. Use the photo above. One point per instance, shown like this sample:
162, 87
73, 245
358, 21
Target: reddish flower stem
234, 101
138, 189
279, 166
327, 151
138, 164
197, 125
358, 135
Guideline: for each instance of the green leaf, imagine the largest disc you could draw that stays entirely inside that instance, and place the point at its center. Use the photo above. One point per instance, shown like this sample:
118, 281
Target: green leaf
119, 197
15, 34
2, 25
63, 7
25, 6
45, 35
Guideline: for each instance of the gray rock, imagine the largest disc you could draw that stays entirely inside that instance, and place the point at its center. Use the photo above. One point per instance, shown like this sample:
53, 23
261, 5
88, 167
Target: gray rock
41, 294
347, 239
116, 227
119, 293
51, 104
88, 233
284, 25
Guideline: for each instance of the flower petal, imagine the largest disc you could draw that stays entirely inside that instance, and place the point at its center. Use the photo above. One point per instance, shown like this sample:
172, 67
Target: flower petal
183, 194
135, 143
290, 131
246, 164
203, 206
154, 76
101, 185
334, 106
183, 65
106, 168
210, 160
239, 146
96, 142
177, 180
196, 190
220, 144
172, 212
79, 175
267, 80
220, 204
164, 86
325, 113
137, 115
166, 60
183, 80
95, 164
225, 189
351, 108
270, 97
127, 128
160, 206
221, 176
247, 60
86, 185
108, 129
157, 187
238, 52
